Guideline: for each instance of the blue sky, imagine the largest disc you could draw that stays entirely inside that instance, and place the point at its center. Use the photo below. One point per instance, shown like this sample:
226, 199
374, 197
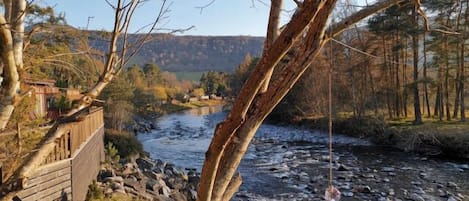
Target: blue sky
223, 17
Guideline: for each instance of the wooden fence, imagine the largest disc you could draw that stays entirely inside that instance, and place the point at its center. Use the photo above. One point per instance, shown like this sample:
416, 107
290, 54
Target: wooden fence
66, 163
74, 135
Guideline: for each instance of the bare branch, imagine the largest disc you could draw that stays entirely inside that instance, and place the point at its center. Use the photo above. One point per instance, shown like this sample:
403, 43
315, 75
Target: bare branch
162, 11
338, 28
205, 6
450, 32
418, 7
110, 4
272, 34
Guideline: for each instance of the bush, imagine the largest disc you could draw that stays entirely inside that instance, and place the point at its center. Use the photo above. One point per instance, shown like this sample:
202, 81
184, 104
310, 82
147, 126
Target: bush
94, 192
126, 143
112, 154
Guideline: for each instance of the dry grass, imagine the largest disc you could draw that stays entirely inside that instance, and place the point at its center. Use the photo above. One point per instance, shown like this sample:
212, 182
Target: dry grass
13, 152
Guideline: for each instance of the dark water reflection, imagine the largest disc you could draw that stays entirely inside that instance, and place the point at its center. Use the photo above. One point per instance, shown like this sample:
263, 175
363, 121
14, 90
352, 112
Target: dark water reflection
285, 163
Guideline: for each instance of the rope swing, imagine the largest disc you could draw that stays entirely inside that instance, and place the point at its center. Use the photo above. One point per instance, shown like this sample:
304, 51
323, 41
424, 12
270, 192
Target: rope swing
332, 193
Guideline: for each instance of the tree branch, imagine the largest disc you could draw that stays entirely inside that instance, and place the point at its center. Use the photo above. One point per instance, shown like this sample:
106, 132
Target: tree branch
272, 34
341, 26
226, 129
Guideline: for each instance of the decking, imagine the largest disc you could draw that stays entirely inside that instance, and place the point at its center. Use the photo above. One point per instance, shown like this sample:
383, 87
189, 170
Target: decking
66, 163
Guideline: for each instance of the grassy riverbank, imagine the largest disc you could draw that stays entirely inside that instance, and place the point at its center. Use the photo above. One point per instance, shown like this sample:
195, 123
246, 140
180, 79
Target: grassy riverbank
171, 108
432, 137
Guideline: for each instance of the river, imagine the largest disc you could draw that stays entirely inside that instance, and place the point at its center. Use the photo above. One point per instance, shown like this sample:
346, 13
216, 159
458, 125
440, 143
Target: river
286, 163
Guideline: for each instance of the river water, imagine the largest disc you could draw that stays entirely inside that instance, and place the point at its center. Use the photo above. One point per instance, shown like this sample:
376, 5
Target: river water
285, 163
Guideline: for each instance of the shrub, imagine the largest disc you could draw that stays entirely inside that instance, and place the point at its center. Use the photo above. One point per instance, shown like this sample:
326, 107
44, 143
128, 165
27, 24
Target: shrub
125, 143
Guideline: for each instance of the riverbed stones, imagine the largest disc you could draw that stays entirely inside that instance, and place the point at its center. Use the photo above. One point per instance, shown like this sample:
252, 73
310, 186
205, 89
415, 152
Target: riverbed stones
416, 197
388, 169
343, 168
145, 180
452, 184
362, 189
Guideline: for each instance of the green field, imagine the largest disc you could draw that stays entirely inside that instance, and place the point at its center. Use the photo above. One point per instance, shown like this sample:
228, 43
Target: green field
193, 76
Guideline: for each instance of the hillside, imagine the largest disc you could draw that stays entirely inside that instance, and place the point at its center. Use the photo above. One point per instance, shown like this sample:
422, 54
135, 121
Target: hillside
193, 53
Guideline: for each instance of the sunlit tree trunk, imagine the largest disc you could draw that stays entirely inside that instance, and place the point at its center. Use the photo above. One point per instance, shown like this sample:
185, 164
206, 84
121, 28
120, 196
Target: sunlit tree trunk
272, 34
11, 50
232, 136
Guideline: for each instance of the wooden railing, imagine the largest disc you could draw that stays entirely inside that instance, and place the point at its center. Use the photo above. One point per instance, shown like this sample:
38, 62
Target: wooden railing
73, 135
64, 142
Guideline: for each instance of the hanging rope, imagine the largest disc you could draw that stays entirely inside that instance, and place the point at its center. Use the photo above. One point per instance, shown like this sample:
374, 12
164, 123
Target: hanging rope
332, 193
331, 66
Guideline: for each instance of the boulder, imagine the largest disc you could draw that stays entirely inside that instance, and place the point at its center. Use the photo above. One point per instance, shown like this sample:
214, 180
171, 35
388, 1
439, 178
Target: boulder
115, 179
145, 164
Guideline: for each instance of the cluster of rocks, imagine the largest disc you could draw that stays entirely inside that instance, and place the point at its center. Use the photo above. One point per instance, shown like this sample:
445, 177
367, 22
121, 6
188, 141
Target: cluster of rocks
146, 179
143, 127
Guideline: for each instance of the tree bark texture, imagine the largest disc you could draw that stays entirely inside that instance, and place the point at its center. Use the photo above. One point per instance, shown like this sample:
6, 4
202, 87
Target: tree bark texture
10, 84
272, 34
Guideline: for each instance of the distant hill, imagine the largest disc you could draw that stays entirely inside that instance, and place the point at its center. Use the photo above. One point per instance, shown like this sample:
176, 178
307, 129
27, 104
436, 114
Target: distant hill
193, 53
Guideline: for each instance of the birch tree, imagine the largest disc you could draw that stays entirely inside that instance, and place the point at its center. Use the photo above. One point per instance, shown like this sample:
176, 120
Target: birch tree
11, 59
11, 50
307, 33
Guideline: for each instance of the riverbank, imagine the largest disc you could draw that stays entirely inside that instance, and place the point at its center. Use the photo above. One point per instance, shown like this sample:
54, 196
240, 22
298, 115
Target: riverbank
132, 175
287, 163
144, 179
143, 122
449, 139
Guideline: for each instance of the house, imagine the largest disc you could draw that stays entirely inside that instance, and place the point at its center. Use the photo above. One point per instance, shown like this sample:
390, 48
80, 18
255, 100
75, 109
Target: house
43, 92
215, 97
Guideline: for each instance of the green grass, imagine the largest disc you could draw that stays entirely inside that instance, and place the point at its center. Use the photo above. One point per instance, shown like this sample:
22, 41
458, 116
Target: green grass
171, 108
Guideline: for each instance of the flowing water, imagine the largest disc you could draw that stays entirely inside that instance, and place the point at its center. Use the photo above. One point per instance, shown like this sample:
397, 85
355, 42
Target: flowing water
286, 163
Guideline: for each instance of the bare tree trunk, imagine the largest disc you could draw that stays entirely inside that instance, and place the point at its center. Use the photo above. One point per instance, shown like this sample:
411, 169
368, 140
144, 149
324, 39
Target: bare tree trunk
397, 81
232, 136
10, 85
459, 61
448, 114
462, 69
110, 67
405, 96
461, 83
11, 40
415, 48
456, 83
227, 128
19, 13
425, 84
272, 34
388, 78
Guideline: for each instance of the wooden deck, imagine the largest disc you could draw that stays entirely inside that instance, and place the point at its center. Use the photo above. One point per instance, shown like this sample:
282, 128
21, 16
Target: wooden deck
67, 162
